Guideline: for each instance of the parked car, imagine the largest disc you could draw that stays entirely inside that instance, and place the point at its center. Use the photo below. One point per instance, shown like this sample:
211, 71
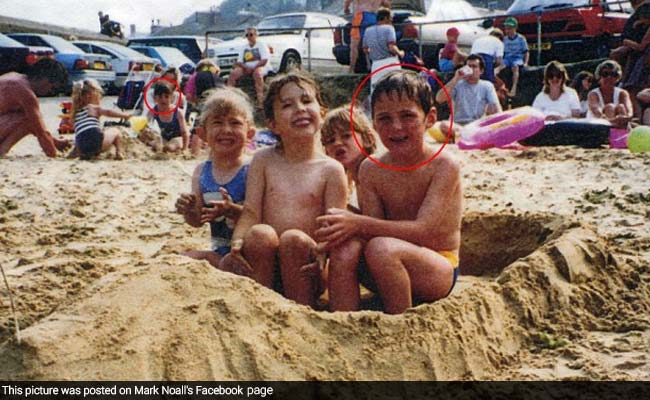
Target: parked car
15, 56
408, 13
168, 57
194, 47
123, 59
570, 34
289, 42
80, 65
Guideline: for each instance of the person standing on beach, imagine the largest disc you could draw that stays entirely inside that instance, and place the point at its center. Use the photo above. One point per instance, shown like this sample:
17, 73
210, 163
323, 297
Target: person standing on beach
20, 113
379, 43
365, 15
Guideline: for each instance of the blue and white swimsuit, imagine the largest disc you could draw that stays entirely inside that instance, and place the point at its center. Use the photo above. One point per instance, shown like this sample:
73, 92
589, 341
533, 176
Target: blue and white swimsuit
221, 229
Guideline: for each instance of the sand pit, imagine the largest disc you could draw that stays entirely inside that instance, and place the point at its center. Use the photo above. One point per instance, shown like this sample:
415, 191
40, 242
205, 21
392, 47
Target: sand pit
555, 279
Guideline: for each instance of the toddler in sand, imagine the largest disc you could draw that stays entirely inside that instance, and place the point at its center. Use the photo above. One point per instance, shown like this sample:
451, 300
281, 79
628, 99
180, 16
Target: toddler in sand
288, 187
90, 140
173, 131
219, 184
411, 218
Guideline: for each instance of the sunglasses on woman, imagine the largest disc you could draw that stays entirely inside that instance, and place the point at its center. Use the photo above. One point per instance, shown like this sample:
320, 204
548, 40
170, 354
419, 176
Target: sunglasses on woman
609, 74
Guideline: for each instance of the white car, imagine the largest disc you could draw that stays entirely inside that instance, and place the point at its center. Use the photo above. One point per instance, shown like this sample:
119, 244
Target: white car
434, 36
288, 42
123, 60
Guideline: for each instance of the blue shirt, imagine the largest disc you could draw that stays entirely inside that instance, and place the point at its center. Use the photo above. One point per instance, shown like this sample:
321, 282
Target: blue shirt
516, 47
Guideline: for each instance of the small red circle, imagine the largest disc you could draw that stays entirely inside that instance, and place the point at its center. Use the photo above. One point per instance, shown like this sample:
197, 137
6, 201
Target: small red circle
178, 103
451, 118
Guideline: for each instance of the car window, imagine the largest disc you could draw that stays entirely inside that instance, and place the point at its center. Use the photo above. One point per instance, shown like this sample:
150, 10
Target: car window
6, 41
320, 23
286, 22
99, 50
31, 41
188, 46
62, 45
85, 47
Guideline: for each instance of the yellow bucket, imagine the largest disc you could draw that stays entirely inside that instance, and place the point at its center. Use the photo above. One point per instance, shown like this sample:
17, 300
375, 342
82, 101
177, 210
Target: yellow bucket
138, 123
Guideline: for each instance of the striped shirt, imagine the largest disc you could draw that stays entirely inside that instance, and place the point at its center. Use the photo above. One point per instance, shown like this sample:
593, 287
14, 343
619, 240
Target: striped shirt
82, 121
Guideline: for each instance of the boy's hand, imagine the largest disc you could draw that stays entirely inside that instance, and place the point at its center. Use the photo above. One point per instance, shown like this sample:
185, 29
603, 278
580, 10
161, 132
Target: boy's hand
185, 203
236, 263
337, 227
316, 269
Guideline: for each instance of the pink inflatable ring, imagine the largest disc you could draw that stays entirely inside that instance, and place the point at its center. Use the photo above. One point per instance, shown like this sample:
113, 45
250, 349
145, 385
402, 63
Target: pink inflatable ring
501, 129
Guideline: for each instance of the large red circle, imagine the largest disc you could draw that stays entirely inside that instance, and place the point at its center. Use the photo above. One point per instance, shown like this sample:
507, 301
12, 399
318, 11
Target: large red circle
451, 118
178, 103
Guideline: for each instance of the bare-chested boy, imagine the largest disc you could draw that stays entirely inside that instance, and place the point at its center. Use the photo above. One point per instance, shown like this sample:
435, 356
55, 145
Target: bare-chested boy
411, 219
20, 114
288, 187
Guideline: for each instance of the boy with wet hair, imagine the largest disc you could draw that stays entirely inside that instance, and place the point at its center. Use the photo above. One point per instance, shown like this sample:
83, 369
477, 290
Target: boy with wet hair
411, 216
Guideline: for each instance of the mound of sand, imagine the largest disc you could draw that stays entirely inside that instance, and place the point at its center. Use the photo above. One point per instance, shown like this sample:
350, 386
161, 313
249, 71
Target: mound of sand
554, 260
171, 318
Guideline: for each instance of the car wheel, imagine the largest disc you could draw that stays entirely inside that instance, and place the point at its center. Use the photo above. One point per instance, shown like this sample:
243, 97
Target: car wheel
290, 61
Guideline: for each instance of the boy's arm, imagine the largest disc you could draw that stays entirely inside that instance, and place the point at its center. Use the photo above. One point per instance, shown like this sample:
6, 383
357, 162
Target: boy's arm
183, 128
255, 187
30, 107
336, 187
439, 195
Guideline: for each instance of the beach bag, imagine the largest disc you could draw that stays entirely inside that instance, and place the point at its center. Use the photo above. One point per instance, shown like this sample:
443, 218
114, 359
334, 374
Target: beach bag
130, 94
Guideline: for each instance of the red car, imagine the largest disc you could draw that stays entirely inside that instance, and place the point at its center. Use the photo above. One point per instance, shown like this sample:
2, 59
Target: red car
569, 34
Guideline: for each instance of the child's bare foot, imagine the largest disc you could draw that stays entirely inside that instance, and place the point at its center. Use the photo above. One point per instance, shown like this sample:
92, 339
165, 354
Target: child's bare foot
119, 155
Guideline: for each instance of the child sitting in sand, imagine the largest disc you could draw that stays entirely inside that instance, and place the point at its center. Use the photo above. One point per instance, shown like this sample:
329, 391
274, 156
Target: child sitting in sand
219, 184
173, 74
171, 121
411, 217
90, 140
339, 144
288, 187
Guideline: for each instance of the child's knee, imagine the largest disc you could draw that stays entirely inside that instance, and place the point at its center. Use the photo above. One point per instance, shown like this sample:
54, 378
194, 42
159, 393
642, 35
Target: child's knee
347, 255
295, 238
262, 236
378, 250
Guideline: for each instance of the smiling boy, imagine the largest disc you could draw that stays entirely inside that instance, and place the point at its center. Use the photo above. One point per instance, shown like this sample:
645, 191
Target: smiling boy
411, 218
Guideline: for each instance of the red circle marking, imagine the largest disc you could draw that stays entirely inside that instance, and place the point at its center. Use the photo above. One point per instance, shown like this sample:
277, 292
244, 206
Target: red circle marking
178, 103
451, 118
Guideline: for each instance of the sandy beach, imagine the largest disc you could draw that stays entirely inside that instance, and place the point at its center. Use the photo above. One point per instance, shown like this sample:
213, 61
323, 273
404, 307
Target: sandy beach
555, 281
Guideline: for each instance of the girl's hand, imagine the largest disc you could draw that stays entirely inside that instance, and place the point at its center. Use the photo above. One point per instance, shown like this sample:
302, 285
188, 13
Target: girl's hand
185, 203
337, 227
221, 208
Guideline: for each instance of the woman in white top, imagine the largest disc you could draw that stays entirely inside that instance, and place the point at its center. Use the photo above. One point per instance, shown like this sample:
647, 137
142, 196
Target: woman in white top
557, 101
608, 101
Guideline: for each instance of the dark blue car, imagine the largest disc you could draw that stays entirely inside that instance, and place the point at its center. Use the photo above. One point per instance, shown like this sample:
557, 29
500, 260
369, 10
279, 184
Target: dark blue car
80, 65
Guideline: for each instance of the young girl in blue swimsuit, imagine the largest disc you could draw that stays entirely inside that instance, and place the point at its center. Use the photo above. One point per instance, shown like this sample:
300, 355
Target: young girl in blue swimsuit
219, 184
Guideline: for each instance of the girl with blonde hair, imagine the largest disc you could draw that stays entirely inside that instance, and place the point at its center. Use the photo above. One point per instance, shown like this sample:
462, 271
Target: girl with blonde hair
90, 139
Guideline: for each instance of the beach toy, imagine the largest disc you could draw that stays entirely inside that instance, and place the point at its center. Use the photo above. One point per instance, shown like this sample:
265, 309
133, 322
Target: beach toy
589, 134
639, 139
138, 123
436, 134
501, 129
66, 125
618, 138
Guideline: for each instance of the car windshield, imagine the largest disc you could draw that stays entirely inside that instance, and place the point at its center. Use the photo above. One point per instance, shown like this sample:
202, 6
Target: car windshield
521, 6
122, 51
451, 10
62, 45
289, 22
